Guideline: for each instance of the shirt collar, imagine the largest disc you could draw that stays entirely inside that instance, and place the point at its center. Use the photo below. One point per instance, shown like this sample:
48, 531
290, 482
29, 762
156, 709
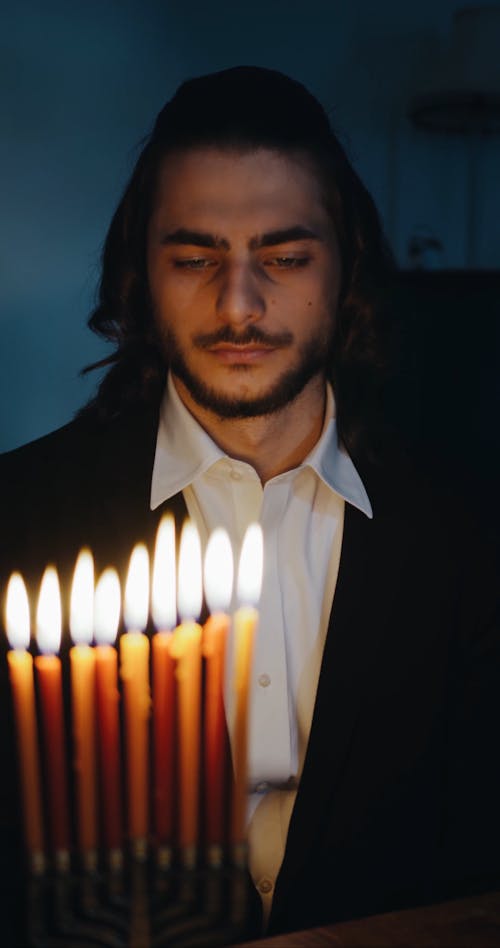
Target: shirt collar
184, 451
332, 464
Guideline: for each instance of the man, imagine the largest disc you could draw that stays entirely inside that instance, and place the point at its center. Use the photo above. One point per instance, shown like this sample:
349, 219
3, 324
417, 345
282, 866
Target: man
241, 282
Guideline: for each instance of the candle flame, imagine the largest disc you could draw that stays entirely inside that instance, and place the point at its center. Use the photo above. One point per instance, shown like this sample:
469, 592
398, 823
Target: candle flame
107, 607
251, 566
189, 590
163, 605
17, 613
136, 605
81, 612
218, 571
48, 614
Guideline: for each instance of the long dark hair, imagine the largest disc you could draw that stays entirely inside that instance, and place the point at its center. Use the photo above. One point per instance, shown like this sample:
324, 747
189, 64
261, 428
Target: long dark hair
245, 107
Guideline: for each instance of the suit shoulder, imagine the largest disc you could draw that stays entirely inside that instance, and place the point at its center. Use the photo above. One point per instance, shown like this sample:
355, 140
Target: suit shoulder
48, 447
42, 472
430, 506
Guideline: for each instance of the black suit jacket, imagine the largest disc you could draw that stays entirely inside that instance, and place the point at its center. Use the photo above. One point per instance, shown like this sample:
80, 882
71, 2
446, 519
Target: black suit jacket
399, 799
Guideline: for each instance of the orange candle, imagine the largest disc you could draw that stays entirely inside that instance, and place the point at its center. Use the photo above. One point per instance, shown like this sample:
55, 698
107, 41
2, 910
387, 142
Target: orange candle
186, 649
82, 672
134, 672
23, 697
49, 678
164, 692
107, 696
164, 714
215, 633
82, 665
106, 618
218, 582
244, 625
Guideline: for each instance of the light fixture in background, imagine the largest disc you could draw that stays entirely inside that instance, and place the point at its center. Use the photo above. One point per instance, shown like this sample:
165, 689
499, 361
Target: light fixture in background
462, 96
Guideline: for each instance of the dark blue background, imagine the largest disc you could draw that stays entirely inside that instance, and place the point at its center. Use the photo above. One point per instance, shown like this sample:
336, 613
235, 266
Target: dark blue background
81, 82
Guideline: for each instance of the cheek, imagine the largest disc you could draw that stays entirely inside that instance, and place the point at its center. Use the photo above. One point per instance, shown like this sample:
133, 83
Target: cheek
171, 298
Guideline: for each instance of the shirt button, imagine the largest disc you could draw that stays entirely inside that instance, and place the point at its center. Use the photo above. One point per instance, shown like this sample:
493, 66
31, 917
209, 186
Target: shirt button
235, 475
262, 786
265, 886
264, 681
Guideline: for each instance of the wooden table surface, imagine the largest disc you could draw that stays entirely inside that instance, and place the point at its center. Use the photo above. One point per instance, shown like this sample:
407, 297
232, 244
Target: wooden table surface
466, 923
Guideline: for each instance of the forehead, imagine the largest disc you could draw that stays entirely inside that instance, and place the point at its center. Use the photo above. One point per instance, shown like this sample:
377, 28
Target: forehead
255, 190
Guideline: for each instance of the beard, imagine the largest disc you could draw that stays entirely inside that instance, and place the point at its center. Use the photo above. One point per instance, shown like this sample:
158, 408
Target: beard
312, 359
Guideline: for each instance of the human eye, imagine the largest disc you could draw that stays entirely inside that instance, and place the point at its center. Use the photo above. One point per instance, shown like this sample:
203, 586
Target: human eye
194, 263
287, 261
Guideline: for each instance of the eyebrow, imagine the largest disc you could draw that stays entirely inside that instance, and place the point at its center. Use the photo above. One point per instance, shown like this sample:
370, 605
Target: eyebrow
194, 238
284, 236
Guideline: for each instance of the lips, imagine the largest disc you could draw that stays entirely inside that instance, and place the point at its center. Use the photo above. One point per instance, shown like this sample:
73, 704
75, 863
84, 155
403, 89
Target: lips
240, 354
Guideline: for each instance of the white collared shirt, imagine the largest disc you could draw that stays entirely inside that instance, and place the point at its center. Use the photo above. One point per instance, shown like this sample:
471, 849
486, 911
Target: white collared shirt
302, 515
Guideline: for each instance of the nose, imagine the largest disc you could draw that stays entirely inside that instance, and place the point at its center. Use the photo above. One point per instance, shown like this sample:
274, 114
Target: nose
239, 299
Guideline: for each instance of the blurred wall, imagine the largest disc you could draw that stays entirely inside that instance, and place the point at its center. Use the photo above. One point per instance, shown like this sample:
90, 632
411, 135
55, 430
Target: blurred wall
80, 84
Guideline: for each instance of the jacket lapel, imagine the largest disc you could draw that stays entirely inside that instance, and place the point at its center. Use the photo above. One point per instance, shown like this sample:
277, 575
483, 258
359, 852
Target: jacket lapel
369, 567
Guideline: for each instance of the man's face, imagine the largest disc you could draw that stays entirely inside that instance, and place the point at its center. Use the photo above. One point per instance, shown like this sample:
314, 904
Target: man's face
244, 276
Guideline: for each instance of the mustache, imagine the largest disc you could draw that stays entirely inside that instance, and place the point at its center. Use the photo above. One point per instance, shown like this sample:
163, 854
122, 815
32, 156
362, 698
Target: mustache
252, 334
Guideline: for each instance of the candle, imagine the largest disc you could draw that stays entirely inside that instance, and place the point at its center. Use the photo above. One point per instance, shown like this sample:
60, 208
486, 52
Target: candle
106, 619
186, 648
17, 622
244, 624
134, 672
49, 678
164, 618
218, 582
82, 673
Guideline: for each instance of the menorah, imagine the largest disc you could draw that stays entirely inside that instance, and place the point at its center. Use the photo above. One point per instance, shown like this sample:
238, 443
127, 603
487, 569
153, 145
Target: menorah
134, 807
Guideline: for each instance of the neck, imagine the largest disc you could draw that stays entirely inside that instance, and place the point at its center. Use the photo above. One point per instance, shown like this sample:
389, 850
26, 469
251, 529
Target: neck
272, 443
